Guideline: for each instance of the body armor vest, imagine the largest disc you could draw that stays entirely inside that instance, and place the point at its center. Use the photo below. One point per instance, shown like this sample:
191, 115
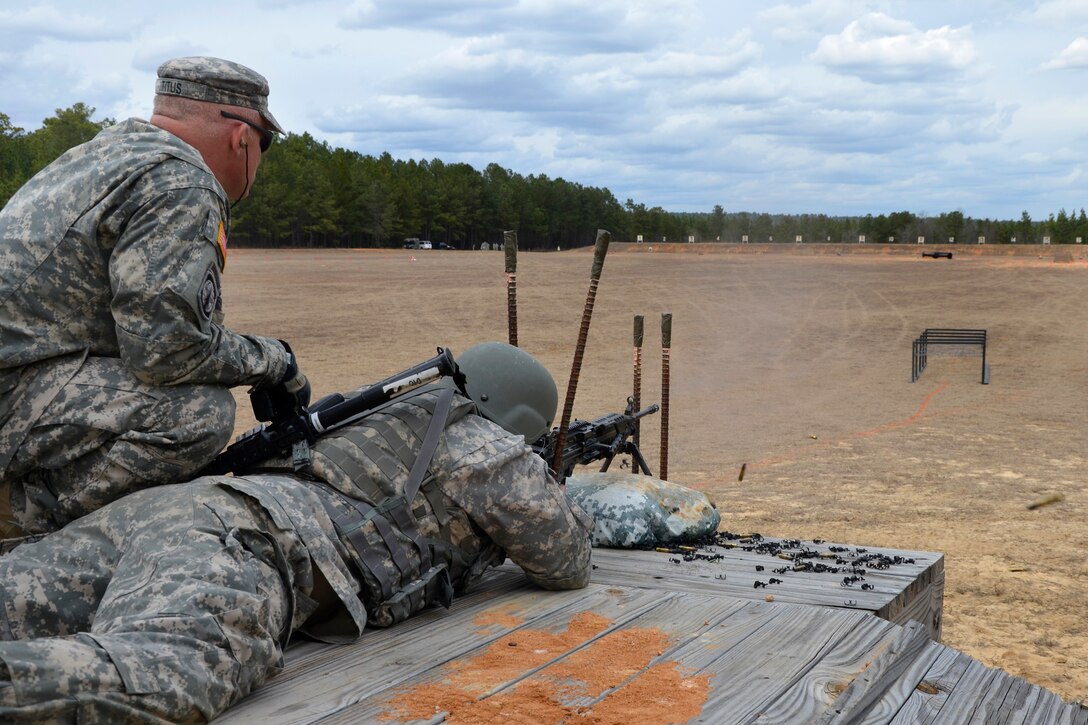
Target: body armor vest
410, 548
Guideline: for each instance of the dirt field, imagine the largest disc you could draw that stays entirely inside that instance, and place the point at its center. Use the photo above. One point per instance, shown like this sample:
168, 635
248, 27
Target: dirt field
796, 362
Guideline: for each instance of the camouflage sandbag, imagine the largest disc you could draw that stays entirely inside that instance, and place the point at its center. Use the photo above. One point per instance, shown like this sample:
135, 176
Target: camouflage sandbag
637, 512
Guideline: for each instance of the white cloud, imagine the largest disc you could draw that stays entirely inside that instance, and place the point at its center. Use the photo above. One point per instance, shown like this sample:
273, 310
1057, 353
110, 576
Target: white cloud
750, 87
1074, 55
879, 48
837, 106
464, 16
541, 144
797, 22
569, 27
1060, 12
45, 21
736, 53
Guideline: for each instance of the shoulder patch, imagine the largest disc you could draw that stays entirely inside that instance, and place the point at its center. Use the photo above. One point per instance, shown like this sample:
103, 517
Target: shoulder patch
215, 231
221, 240
209, 298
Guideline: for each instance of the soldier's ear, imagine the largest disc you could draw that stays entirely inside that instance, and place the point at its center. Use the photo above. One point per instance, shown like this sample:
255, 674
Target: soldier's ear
236, 141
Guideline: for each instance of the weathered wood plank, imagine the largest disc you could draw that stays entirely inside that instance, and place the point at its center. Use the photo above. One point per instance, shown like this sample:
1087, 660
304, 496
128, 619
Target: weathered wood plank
1048, 708
989, 700
900, 593
814, 693
1019, 700
870, 686
961, 703
1075, 715
887, 707
922, 600
927, 699
759, 669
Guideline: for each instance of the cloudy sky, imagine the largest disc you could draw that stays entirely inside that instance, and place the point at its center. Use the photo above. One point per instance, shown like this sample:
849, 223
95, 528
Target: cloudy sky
827, 106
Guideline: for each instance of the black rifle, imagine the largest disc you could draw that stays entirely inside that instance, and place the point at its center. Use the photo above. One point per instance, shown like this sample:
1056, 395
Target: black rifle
292, 431
595, 440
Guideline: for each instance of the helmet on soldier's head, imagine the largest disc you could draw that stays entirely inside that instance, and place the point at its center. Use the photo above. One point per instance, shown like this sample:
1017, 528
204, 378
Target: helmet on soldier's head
510, 387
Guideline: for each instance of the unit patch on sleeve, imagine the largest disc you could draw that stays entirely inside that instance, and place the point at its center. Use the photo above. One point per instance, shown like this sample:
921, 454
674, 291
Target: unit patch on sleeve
221, 240
215, 232
210, 299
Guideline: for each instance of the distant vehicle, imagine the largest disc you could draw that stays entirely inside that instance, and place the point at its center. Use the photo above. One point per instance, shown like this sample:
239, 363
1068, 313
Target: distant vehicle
938, 255
443, 245
416, 243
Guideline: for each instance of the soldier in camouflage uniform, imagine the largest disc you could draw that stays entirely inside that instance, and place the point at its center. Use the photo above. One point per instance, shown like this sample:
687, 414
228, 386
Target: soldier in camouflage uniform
174, 603
114, 361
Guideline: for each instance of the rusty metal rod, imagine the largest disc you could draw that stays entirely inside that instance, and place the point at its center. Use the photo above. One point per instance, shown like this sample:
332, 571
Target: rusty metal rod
636, 388
666, 345
510, 246
599, 252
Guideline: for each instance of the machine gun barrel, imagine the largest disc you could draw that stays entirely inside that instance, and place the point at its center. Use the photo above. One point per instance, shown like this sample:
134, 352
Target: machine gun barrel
597, 440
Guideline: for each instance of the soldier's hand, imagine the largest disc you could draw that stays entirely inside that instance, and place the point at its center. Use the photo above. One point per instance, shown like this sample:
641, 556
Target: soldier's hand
295, 382
284, 397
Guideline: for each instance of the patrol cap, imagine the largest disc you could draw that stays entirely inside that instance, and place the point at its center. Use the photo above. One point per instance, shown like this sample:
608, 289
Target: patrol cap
215, 80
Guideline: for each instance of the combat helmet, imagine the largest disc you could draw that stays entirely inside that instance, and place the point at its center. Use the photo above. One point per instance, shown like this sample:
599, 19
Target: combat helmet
510, 387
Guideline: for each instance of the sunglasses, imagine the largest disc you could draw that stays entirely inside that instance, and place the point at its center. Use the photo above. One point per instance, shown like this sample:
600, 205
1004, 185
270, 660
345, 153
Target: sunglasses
266, 135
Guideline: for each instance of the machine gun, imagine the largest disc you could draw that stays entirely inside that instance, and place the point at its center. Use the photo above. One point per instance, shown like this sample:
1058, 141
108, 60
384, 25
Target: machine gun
595, 440
292, 431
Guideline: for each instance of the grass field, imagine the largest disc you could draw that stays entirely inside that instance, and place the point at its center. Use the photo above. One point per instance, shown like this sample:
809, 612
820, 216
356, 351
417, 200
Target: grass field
795, 362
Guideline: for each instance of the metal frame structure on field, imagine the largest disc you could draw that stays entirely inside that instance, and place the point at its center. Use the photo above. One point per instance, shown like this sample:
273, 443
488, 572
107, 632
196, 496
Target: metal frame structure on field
945, 336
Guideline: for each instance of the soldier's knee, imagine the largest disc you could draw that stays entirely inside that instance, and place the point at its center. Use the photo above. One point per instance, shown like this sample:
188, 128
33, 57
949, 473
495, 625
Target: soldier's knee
198, 421
213, 422
221, 409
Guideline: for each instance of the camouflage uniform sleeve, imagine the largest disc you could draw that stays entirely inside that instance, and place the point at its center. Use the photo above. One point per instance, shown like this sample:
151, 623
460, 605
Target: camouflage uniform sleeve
507, 491
167, 303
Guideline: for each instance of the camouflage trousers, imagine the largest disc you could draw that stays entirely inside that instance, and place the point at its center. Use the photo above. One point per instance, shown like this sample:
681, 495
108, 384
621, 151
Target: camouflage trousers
168, 605
106, 434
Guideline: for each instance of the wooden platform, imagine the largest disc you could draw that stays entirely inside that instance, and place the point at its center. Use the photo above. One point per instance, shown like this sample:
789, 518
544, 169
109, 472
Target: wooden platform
813, 654
893, 584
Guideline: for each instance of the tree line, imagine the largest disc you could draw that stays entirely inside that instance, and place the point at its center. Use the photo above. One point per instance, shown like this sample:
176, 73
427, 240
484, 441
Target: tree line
310, 194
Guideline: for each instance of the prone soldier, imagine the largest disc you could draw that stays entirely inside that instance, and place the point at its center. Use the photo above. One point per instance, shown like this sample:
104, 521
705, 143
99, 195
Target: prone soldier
173, 603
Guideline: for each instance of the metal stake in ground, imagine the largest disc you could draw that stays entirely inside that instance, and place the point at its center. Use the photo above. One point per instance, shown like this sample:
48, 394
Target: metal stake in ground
510, 245
599, 251
636, 388
666, 345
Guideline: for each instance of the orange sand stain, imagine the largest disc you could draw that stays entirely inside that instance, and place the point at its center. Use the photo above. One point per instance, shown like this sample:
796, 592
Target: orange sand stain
610, 661
659, 695
497, 618
618, 661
